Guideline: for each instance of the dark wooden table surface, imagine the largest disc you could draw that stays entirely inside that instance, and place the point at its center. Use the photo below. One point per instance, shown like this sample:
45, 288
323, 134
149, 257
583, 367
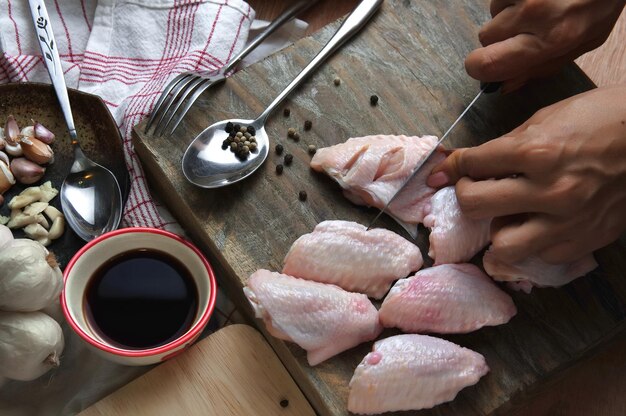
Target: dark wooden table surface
597, 385
252, 224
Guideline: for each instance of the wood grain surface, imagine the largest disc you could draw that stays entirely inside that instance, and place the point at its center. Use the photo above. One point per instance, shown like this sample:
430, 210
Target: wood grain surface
605, 65
232, 372
422, 86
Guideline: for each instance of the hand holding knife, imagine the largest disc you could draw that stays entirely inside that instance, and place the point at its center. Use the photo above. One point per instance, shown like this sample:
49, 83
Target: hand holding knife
486, 88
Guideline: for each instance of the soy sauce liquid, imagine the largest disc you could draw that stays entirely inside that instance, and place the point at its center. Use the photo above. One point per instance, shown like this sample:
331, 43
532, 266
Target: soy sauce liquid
141, 299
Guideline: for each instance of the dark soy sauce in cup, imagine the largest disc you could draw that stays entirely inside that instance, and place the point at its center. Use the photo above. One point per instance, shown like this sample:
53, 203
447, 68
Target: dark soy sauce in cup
141, 299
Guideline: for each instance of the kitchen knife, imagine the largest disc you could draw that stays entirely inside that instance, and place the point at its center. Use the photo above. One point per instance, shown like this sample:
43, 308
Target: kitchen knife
484, 88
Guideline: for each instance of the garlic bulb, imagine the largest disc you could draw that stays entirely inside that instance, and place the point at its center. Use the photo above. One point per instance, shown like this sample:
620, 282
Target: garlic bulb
31, 345
31, 278
6, 236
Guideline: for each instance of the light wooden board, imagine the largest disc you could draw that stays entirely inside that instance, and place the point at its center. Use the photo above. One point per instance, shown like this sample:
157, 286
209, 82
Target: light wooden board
232, 372
411, 56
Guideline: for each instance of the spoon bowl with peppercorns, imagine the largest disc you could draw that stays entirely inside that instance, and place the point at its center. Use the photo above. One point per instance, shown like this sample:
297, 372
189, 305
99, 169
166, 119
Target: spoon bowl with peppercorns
224, 153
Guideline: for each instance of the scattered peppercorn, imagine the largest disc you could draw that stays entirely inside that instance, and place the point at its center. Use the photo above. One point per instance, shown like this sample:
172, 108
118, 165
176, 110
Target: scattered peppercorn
229, 127
308, 125
302, 195
312, 149
288, 159
286, 112
279, 169
284, 403
291, 131
296, 137
337, 81
279, 149
374, 99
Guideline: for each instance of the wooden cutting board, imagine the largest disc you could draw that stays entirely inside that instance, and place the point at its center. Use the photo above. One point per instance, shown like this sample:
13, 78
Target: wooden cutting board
231, 372
410, 55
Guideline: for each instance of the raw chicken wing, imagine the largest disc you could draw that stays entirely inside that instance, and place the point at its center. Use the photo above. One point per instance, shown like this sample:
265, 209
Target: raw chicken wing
371, 169
344, 253
323, 319
451, 298
454, 237
533, 271
410, 372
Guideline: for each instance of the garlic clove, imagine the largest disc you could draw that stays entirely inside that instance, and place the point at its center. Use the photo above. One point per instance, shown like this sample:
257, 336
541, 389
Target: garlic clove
28, 131
43, 133
47, 192
36, 232
35, 208
25, 171
36, 150
14, 150
57, 228
6, 236
11, 131
52, 213
4, 158
21, 220
6, 178
41, 219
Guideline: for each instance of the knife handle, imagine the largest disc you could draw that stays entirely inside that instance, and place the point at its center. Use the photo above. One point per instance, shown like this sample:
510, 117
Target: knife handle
489, 87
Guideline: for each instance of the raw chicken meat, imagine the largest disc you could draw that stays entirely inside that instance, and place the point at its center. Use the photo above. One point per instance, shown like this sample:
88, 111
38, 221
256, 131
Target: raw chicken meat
451, 298
410, 372
454, 238
323, 319
344, 253
371, 169
533, 271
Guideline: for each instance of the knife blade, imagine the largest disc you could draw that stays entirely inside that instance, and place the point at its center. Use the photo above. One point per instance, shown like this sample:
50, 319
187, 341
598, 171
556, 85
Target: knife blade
484, 88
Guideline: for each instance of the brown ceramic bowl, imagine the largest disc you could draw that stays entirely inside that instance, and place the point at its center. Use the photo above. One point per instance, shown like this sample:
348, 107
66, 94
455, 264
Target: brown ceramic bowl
97, 131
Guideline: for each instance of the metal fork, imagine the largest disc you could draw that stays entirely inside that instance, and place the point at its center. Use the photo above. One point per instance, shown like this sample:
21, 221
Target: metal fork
180, 94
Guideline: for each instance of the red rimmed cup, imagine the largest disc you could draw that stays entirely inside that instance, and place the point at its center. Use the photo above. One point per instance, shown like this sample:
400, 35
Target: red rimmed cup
84, 265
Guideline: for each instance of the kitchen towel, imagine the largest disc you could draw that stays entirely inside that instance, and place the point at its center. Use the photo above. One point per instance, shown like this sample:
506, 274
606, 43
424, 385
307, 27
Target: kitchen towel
125, 51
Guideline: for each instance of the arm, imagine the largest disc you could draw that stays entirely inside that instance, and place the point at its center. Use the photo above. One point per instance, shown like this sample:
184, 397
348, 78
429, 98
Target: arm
533, 38
557, 183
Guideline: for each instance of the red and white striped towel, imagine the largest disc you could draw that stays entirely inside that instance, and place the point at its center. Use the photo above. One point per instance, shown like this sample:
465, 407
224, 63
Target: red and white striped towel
125, 51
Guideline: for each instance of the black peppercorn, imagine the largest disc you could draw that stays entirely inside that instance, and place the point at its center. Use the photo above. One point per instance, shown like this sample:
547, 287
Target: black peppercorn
374, 99
308, 125
288, 159
251, 130
286, 112
312, 149
236, 128
279, 149
279, 169
296, 137
229, 127
337, 81
302, 195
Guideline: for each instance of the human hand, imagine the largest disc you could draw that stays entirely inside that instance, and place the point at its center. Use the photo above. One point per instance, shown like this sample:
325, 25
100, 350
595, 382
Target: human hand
556, 185
534, 38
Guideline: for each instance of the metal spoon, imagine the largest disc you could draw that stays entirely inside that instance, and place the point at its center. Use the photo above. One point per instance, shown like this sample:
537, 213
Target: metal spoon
90, 195
206, 164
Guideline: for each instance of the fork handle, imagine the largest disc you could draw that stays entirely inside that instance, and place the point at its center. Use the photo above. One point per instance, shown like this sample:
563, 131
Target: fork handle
353, 23
50, 55
286, 16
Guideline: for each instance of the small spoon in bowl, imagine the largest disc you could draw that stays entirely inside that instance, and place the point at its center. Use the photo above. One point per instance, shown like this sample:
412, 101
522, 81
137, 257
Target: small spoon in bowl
206, 164
91, 198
